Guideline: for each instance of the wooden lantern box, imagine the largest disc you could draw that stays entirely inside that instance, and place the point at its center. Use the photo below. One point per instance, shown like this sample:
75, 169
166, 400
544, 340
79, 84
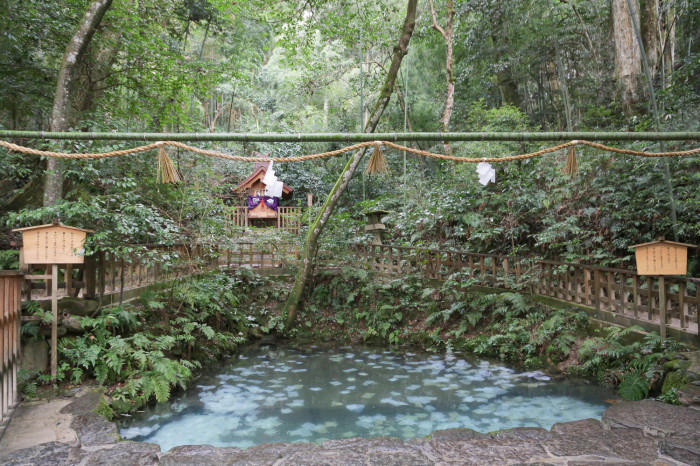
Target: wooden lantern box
53, 243
662, 258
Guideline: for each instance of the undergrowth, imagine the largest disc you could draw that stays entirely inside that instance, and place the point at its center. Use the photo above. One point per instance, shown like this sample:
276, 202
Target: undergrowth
144, 352
356, 305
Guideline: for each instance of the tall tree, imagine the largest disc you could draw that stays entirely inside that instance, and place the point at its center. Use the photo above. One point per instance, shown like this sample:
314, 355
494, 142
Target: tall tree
447, 34
311, 246
66, 89
628, 58
658, 27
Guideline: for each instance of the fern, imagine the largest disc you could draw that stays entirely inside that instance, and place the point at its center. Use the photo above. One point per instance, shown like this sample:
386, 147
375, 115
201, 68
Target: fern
634, 387
474, 317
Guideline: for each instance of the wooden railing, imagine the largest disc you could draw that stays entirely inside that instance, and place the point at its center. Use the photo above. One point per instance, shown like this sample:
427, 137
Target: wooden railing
110, 274
619, 291
10, 291
239, 216
288, 218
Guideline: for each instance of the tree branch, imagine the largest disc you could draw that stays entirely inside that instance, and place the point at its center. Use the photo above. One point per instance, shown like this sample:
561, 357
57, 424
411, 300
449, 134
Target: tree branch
436, 26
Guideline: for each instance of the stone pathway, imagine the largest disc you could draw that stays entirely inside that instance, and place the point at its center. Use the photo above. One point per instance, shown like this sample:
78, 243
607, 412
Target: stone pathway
644, 432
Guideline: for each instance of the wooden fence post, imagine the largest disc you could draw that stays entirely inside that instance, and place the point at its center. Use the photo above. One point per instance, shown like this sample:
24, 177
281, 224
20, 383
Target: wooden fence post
681, 306
54, 321
89, 275
662, 307
635, 296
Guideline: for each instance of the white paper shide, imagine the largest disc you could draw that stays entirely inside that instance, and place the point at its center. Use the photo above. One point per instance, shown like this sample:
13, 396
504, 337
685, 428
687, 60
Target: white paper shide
487, 174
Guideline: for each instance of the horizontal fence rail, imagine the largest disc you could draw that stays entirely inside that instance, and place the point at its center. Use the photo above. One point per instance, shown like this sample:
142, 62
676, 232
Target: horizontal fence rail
619, 291
108, 274
10, 291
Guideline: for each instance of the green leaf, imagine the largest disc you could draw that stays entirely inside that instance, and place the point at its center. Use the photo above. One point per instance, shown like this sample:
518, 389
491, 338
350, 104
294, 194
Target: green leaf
634, 387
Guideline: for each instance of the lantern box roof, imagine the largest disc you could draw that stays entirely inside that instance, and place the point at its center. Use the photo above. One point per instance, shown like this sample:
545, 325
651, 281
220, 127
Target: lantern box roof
53, 225
663, 241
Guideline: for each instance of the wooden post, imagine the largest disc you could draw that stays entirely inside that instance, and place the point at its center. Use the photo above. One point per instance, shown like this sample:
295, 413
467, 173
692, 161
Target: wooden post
89, 276
596, 288
662, 307
121, 282
623, 299
309, 200
650, 291
681, 304
47, 283
635, 296
103, 271
611, 292
54, 322
113, 271
68, 278
494, 272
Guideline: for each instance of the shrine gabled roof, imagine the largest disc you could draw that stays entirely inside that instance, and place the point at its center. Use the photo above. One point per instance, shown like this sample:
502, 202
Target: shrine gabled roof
258, 174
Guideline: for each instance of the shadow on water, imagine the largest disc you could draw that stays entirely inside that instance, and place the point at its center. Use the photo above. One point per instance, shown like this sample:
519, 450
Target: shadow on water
280, 393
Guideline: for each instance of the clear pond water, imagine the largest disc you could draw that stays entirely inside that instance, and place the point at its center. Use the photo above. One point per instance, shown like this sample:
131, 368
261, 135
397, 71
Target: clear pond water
279, 394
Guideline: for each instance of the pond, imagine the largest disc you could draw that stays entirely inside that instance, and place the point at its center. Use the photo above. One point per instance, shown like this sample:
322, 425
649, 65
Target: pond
272, 393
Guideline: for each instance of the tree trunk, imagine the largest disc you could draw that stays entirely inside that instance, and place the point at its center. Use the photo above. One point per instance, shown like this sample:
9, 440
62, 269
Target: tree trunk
448, 35
628, 59
649, 23
75, 51
564, 89
311, 247
668, 44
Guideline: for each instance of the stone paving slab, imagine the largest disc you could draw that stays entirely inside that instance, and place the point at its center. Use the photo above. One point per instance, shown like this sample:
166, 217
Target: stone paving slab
645, 432
36, 423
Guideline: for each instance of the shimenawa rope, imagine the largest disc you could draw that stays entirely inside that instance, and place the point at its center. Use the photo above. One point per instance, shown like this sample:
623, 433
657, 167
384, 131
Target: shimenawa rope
302, 158
168, 173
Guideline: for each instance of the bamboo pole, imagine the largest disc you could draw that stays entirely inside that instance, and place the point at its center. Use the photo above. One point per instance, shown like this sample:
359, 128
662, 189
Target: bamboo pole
360, 137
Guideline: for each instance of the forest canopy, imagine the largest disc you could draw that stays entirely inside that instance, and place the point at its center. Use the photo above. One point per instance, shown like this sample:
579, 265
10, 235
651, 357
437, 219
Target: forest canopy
320, 66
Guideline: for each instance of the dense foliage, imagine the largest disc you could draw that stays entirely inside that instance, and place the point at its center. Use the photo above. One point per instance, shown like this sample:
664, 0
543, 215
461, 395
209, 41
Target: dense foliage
209, 65
513, 327
317, 66
144, 352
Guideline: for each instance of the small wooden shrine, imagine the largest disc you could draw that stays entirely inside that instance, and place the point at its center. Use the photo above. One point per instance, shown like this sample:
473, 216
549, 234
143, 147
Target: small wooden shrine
261, 210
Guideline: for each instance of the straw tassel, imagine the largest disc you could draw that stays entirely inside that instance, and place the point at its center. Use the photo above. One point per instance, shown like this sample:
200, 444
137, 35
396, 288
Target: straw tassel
571, 166
167, 173
377, 162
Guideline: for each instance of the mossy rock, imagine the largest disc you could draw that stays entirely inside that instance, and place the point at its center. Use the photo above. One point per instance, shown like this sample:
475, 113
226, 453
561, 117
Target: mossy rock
674, 379
677, 365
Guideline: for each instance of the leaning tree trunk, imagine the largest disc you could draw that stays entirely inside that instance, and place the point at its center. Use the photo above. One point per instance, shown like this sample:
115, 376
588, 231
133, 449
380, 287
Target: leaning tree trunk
448, 35
75, 50
628, 59
311, 246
